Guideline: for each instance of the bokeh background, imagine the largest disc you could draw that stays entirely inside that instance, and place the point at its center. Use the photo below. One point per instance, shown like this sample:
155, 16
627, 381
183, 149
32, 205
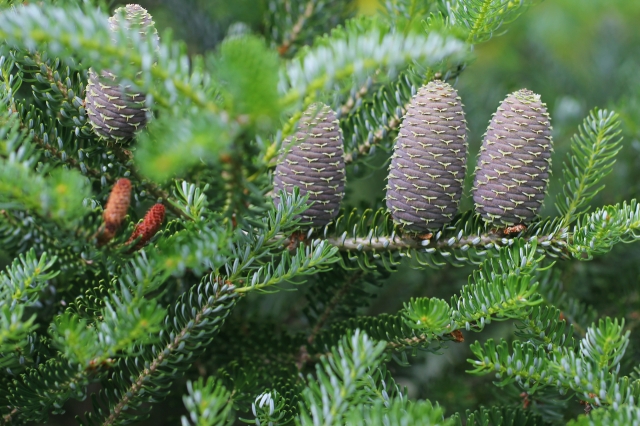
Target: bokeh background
578, 54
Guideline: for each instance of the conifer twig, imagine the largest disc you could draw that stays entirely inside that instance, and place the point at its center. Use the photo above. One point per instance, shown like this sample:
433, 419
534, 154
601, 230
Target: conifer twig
351, 101
333, 303
394, 124
296, 29
154, 367
68, 160
7, 419
122, 156
392, 243
49, 74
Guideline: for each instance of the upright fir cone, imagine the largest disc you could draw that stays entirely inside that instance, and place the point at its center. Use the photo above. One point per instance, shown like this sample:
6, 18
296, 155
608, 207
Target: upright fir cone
115, 111
149, 226
515, 161
116, 210
314, 162
429, 160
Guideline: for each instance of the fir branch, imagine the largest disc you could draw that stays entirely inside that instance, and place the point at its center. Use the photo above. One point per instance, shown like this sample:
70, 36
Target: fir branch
502, 289
25, 278
55, 88
294, 23
357, 54
333, 303
40, 142
200, 313
269, 409
369, 238
76, 33
503, 416
593, 152
15, 330
578, 314
195, 319
544, 327
48, 73
378, 136
327, 398
306, 261
57, 197
626, 414
605, 344
123, 155
397, 412
483, 18
532, 367
21, 231
599, 231
296, 29
208, 403
45, 389
355, 97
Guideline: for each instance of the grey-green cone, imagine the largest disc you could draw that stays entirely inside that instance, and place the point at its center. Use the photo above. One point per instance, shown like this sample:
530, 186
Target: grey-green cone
114, 110
515, 161
429, 161
314, 162
135, 17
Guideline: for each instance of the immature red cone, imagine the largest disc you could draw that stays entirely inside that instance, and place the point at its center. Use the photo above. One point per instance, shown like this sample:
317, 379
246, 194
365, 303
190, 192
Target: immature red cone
116, 209
149, 226
114, 110
429, 160
515, 161
314, 162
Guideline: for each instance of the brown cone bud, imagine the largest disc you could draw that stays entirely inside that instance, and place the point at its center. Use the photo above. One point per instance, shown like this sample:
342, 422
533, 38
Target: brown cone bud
149, 226
116, 209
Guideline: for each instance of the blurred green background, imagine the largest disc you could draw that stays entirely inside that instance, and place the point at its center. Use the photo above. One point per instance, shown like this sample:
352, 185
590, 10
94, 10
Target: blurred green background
578, 54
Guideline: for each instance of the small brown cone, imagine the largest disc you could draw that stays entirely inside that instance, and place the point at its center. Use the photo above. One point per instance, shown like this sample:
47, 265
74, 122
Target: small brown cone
115, 210
149, 226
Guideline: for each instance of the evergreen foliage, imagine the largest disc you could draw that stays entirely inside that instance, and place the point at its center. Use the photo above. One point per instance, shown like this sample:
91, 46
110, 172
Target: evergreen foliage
163, 267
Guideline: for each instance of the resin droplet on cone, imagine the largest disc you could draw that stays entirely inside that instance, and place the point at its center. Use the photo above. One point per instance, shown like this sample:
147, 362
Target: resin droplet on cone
114, 110
429, 160
515, 161
314, 162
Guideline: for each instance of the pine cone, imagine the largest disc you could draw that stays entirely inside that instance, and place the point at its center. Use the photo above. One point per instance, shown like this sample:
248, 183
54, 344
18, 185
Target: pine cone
135, 16
314, 162
515, 161
429, 161
149, 226
115, 111
116, 209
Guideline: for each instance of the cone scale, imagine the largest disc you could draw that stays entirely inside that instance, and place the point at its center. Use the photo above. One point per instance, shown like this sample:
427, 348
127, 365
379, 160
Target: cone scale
429, 161
313, 161
515, 161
